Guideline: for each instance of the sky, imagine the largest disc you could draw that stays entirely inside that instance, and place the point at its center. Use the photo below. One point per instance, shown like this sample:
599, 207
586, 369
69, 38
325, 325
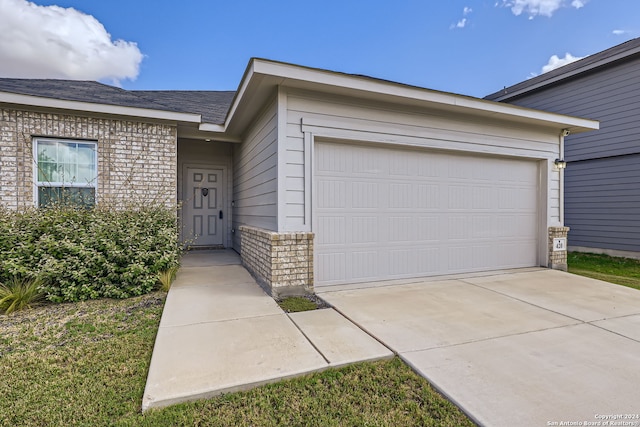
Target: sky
470, 47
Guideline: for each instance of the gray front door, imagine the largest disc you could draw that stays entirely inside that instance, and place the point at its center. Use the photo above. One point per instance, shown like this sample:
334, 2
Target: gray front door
203, 216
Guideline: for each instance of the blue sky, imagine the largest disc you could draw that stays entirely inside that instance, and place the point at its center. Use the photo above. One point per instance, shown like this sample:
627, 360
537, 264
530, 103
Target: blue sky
205, 45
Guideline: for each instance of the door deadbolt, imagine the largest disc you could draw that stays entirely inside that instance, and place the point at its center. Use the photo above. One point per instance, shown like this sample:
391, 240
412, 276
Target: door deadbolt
205, 192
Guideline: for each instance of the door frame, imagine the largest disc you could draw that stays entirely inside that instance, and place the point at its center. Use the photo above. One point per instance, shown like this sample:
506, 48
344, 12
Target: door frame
223, 197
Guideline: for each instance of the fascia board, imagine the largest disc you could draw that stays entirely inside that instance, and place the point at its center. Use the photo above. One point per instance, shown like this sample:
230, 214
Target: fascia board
448, 100
569, 74
61, 104
210, 127
242, 88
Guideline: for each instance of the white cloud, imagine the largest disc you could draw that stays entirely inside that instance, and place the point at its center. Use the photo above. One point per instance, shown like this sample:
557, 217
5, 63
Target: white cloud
539, 7
619, 32
55, 42
556, 62
463, 22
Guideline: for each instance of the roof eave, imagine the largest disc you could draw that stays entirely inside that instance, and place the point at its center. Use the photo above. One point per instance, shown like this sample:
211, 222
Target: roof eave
569, 74
263, 76
115, 110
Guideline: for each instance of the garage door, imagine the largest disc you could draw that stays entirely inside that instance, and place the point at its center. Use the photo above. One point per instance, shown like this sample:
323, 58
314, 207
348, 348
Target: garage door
382, 214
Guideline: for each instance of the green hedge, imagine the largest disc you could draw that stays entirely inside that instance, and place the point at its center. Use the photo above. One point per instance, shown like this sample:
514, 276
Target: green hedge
81, 254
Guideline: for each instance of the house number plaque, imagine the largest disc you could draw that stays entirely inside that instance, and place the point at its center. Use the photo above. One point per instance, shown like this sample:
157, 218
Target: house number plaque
559, 244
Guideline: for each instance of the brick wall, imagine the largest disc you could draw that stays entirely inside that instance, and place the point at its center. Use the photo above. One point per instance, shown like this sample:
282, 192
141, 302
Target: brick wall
136, 161
557, 259
281, 262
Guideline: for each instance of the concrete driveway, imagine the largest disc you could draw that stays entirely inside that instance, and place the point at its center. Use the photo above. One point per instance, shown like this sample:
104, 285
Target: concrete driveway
522, 348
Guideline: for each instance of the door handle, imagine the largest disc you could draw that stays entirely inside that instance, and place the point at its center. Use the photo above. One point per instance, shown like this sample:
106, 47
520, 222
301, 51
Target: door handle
220, 215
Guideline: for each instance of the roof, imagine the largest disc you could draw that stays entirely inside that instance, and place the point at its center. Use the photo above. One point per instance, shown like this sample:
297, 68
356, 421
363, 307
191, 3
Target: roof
226, 114
211, 105
620, 53
263, 78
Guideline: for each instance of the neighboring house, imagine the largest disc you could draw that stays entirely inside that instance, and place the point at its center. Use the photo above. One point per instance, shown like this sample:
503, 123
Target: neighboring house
315, 177
602, 186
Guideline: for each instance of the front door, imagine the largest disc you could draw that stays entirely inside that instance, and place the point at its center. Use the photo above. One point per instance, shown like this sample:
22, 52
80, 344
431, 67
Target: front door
203, 216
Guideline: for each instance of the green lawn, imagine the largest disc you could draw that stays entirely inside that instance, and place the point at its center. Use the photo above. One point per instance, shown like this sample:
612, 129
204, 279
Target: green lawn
622, 271
86, 364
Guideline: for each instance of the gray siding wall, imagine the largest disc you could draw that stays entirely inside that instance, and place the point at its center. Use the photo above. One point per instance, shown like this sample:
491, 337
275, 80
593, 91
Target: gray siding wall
611, 96
602, 203
602, 179
255, 174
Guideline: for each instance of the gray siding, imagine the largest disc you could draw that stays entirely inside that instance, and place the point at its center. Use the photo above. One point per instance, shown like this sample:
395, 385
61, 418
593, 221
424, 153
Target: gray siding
255, 175
602, 203
602, 179
611, 96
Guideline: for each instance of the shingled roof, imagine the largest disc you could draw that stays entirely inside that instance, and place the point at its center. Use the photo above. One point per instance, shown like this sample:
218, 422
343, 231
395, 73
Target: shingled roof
607, 57
211, 105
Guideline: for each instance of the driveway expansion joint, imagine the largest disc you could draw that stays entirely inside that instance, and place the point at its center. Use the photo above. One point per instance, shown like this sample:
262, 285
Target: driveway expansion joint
515, 334
308, 339
523, 301
364, 330
221, 320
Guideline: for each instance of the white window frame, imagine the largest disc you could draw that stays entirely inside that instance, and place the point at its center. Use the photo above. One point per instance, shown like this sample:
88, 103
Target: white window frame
37, 184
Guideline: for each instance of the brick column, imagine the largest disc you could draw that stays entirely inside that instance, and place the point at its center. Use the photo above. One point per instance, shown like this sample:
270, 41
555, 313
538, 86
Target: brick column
558, 255
282, 263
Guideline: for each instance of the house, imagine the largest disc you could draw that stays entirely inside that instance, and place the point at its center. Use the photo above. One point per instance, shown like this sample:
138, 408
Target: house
602, 179
315, 177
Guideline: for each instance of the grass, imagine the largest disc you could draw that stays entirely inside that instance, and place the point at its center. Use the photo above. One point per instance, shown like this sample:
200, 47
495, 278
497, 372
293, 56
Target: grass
621, 271
166, 277
19, 294
296, 304
86, 364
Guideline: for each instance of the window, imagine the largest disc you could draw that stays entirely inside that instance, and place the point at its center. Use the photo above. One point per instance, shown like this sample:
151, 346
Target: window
66, 171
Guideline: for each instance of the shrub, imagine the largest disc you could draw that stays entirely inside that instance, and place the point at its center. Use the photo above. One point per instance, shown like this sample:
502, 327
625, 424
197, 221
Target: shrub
81, 254
17, 294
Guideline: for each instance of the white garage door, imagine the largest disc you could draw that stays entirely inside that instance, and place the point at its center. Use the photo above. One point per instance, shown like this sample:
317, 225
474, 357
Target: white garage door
382, 214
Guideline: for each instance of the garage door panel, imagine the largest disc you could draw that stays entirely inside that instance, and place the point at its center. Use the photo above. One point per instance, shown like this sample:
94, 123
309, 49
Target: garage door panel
428, 228
483, 226
401, 195
365, 229
334, 230
365, 265
401, 214
428, 196
333, 194
331, 266
403, 261
400, 165
429, 260
401, 229
365, 195
482, 197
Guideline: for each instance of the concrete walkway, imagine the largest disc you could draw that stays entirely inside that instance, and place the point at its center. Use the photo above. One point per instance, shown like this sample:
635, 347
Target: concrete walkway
530, 348
220, 332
